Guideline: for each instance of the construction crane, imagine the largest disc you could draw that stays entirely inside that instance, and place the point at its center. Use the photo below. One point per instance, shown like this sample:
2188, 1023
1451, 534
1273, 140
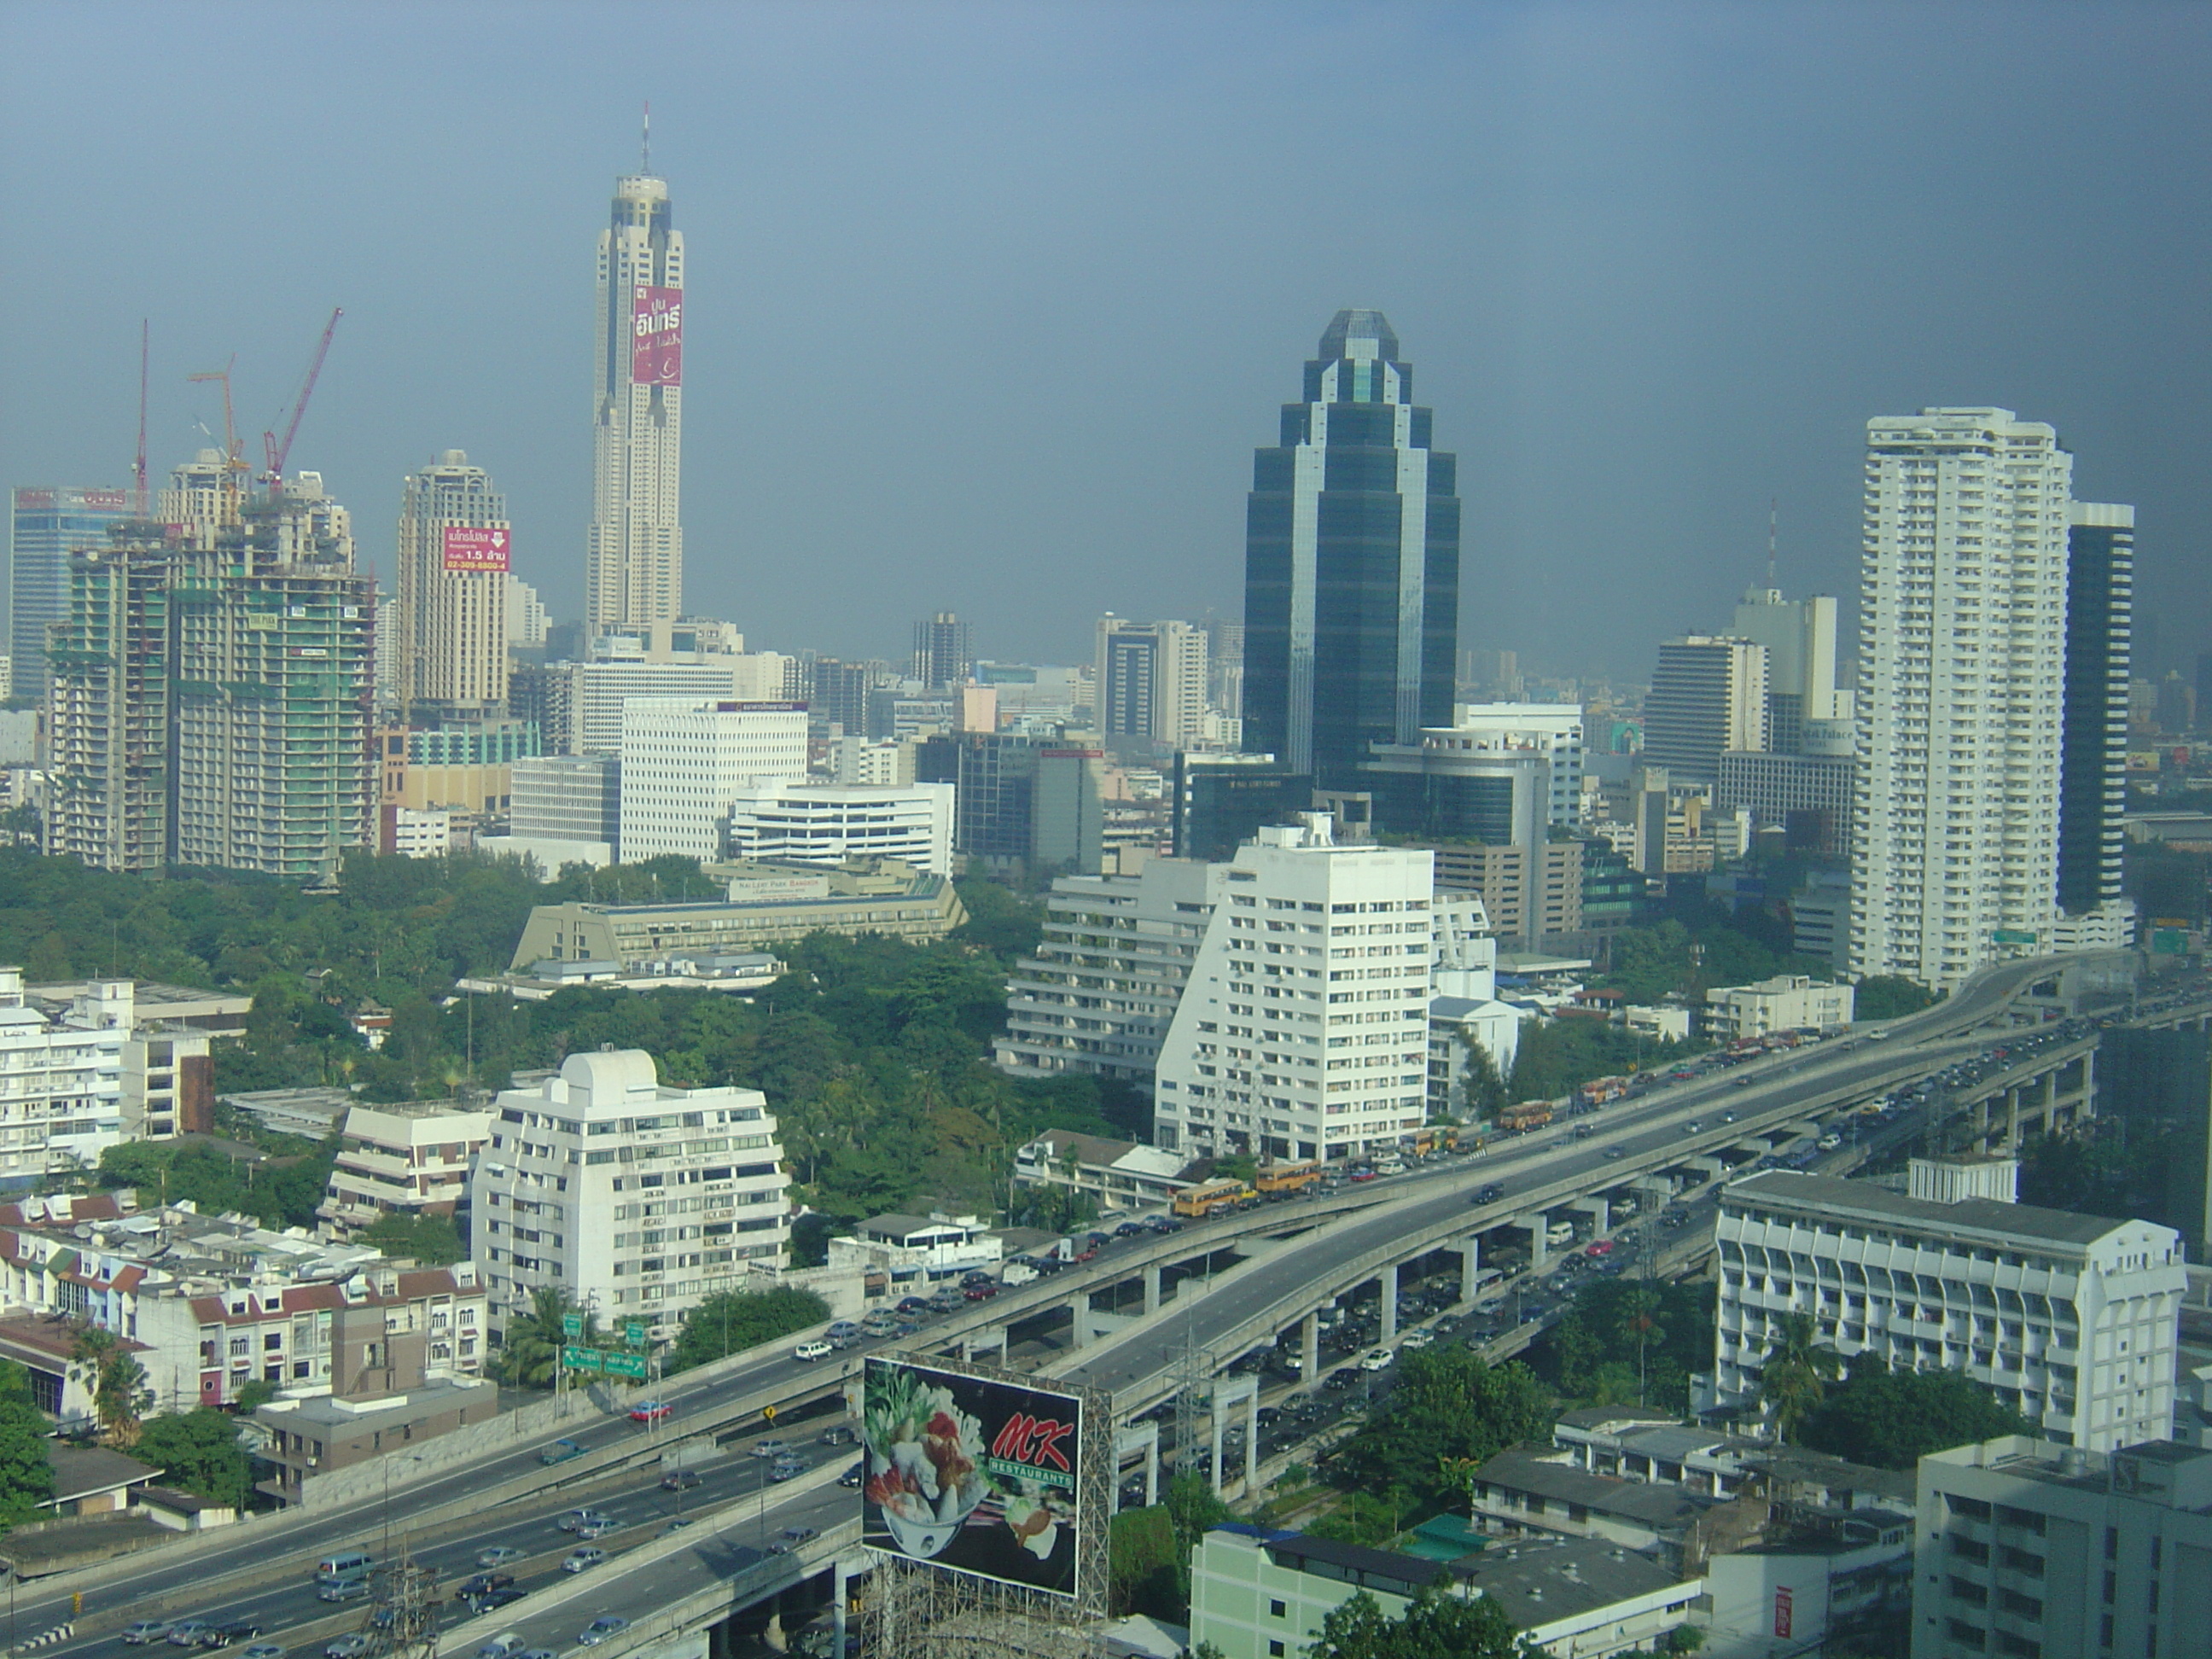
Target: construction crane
275, 451
233, 461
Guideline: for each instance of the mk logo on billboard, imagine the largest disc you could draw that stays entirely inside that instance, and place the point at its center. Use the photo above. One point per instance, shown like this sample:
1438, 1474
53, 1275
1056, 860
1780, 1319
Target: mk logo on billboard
1033, 1441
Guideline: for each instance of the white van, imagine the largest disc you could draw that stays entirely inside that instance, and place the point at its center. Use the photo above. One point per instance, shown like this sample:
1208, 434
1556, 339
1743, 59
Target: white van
817, 1349
346, 1564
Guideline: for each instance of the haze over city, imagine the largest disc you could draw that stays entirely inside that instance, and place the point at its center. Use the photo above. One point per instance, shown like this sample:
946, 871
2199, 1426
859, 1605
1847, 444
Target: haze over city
991, 303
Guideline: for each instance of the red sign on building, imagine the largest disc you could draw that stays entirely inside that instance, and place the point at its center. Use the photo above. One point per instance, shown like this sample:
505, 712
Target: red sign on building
1783, 1603
468, 548
656, 347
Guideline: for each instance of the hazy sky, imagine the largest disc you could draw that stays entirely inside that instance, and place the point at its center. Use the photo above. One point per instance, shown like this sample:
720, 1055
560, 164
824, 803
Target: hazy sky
990, 304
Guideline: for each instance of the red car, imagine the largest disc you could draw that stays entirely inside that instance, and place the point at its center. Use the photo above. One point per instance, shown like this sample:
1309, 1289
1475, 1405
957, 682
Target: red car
982, 1292
649, 1411
1603, 1247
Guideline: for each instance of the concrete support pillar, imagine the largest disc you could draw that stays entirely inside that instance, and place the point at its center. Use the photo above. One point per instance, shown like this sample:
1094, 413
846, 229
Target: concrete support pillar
1079, 1305
1310, 1352
1388, 1279
1152, 1473
2011, 1113
838, 1588
1251, 1443
1152, 1288
1596, 1209
1470, 1264
1539, 1251
1216, 1465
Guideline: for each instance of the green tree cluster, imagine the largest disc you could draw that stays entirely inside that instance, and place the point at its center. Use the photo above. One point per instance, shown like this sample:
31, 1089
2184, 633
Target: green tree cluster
1559, 1055
1892, 1420
1889, 996
26, 1471
198, 1452
1435, 1625
730, 1321
1449, 1412
432, 1240
280, 1192
1621, 1338
1143, 1574
1714, 948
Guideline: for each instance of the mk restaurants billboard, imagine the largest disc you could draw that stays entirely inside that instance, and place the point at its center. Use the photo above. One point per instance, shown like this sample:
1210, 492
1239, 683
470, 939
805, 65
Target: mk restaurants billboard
973, 1475
656, 344
469, 548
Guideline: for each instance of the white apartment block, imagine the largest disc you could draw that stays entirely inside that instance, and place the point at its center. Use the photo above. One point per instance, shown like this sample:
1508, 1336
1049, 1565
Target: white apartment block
1554, 727
1099, 994
1150, 681
1303, 1030
635, 1199
1962, 645
854, 759
2070, 1320
829, 822
61, 1079
588, 697
1786, 1002
2047, 1552
409, 1159
683, 763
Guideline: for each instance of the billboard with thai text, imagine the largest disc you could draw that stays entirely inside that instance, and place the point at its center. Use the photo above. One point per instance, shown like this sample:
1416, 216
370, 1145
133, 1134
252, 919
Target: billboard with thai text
471, 547
656, 347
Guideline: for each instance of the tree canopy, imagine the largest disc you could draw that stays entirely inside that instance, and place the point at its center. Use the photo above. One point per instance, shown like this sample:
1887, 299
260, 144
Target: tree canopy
1449, 1411
1892, 1420
731, 1321
1591, 1352
1434, 1625
198, 1452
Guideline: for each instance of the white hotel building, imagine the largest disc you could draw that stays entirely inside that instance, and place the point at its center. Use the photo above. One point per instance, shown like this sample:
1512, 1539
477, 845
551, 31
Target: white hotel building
1303, 1030
1962, 649
829, 822
635, 1199
2070, 1320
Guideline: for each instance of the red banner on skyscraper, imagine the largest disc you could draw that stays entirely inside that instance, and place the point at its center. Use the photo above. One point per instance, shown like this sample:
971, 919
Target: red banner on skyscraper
656, 347
468, 548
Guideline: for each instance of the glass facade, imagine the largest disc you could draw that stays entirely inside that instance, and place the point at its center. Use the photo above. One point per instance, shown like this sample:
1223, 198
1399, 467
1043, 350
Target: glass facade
1219, 806
1352, 564
2093, 745
49, 524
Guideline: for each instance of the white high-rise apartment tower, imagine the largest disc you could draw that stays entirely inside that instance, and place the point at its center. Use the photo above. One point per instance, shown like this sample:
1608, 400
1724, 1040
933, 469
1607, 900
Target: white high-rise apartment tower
1303, 1030
634, 574
453, 591
1962, 647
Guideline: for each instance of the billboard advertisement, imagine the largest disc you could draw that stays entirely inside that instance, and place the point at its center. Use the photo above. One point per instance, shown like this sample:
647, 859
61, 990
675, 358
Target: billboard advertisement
469, 547
656, 346
974, 1474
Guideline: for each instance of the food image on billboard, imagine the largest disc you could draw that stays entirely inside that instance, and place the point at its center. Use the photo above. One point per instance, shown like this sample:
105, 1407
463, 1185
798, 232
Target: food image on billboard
971, 1474
656, 346
470, 548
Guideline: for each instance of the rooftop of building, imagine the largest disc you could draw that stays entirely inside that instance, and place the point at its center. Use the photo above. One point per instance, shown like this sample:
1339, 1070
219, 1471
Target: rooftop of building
333, 1415
1133, 1156
1608, 1419
2161, 1471
1825, 1196
81, 1471
1539, 1471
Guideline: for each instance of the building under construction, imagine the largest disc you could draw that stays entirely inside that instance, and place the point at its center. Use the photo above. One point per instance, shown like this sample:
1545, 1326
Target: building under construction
212, 690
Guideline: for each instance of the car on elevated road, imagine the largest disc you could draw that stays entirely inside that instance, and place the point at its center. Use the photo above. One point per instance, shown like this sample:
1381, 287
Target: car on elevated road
649, 1411
145, 1631
601, 1630
584, 1559
1377, 1359
561, 1451
498, 1555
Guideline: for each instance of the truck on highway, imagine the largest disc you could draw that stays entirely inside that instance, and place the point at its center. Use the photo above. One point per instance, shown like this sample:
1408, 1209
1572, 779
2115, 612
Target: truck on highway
1528, 1115
1276, 1180
1216, 1197
1600, 1089
1017, 1272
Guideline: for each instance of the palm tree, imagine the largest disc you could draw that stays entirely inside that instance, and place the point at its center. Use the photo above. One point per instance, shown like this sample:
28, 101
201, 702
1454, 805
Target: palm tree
1798, 1365
120, 1398
531, 1352
1639, 1324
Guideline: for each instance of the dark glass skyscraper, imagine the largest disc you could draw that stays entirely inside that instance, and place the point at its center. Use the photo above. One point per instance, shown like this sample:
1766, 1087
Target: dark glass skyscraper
1350, 565
2101, 561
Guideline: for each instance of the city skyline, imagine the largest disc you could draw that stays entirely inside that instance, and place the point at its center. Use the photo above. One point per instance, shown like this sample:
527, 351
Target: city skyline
1537, 255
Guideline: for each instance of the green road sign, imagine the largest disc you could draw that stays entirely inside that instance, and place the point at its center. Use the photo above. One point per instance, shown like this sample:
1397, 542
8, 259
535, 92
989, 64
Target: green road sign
625, 1365
581, 1359
572, 1324
633, 1334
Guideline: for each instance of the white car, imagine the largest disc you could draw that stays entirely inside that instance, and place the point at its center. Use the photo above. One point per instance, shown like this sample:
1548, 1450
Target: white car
1376, 1359
1830, 1142
812, 1350
1420, 1338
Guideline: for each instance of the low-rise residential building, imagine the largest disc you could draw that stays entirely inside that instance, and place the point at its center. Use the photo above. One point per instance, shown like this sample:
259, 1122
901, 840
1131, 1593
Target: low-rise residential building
2070, 1320
1539, 1489
627, 1195
765, 905
1256, 1594
1786, 1002
1119, 1174
915, 1249
1099, 993
410, 1159
746, 971
2026, 1548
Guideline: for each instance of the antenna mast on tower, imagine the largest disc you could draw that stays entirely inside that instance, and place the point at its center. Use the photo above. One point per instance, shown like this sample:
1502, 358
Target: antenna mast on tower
138, 468
1770, 542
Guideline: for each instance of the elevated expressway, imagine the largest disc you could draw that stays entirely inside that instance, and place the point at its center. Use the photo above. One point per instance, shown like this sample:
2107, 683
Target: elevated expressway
452, 1509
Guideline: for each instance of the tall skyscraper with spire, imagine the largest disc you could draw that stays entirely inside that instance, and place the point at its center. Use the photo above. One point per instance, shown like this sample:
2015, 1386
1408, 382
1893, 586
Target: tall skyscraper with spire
1350, 565
634, 573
